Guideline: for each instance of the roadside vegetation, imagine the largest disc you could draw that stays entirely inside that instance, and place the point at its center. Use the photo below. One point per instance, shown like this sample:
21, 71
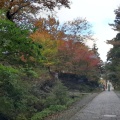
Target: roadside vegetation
42, 62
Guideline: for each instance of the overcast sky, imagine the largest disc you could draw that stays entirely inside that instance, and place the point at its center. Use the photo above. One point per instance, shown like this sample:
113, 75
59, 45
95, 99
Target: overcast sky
99, 13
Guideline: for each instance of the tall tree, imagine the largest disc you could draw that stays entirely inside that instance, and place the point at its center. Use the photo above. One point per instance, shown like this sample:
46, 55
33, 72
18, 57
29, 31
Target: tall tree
18, 9
113, 56
78, 29
47, 33
116, 25
76, 58
51, 26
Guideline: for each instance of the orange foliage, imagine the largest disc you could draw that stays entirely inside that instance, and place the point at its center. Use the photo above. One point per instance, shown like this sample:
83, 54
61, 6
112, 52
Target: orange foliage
40, 36
23, 58
65, 55
76, 57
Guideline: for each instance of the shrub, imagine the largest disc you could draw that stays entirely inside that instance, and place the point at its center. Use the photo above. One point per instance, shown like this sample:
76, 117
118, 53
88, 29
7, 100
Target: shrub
14, 96
21, 117
10, 89
30, 72
41, 115
52, 109
57, 108
58, 95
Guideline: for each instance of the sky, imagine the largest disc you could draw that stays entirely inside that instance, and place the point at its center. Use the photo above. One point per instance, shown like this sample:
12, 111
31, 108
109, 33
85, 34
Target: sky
99, 13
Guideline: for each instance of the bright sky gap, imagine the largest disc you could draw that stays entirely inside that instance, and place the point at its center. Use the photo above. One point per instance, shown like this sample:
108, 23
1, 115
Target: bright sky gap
99, 13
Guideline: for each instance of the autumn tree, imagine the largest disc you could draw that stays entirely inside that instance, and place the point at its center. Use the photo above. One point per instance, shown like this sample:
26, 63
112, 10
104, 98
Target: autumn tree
47, 33
21, 9
78, 29
62, 47
76, 58
65, 55
49, 47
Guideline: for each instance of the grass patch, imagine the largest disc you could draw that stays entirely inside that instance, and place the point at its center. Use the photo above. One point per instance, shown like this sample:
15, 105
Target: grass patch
48, 111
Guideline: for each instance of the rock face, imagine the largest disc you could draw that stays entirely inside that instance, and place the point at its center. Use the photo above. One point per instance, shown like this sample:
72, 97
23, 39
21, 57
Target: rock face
73, 81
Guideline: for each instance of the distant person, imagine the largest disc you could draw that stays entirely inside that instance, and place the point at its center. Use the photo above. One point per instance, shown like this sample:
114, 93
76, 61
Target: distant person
108, 87
104, 87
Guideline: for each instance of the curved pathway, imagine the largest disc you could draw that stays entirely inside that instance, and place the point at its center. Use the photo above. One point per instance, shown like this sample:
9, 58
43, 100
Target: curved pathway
106, 106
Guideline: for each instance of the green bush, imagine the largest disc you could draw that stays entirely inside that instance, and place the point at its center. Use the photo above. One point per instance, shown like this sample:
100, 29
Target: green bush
9, 81
55, 102
30, 72
9, 90
70, 101
85, 88
52, 109
6, 106
57, 108
15, 98
58, 95
21, 117
41, 115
